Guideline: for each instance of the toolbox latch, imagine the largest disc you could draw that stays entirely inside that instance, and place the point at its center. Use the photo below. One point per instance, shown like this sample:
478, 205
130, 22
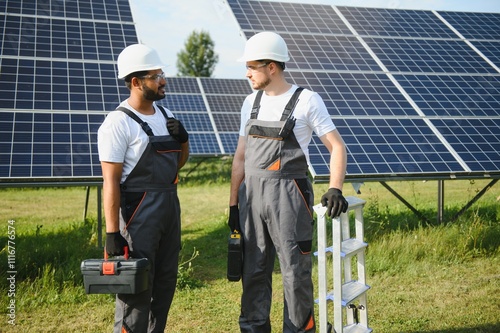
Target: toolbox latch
108, 268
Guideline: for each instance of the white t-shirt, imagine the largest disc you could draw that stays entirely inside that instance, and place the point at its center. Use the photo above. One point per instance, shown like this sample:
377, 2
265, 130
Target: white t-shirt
121, 139
310, 114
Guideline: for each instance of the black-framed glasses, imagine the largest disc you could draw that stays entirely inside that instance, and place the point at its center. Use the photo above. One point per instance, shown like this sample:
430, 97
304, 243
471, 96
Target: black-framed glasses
155, 77
254, 68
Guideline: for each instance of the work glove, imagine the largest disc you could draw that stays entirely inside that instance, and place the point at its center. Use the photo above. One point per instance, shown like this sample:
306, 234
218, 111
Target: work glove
115, 243
176, 130
234, 218
335, 202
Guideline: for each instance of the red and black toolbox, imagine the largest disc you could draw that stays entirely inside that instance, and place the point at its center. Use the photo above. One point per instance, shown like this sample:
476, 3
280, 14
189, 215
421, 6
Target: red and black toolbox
115, 275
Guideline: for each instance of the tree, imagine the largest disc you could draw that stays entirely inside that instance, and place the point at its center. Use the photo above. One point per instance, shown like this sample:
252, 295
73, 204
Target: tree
198, 58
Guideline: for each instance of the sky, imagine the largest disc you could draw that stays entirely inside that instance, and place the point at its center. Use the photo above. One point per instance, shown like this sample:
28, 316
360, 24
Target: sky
165, 25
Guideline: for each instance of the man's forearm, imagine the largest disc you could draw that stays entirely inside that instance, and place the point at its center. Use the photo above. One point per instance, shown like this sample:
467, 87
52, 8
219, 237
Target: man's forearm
111, 200
338, 163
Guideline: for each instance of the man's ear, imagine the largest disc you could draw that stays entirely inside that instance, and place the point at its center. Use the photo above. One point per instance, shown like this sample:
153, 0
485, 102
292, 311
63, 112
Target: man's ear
135, 82
273, 67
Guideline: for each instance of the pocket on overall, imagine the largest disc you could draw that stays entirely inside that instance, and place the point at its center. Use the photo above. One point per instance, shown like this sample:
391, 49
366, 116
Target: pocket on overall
164, 144
165, 161
305, 222
129, 203
265, 146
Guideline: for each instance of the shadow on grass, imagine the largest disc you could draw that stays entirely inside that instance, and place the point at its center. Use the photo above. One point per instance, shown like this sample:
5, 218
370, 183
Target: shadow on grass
61, 250
211, 262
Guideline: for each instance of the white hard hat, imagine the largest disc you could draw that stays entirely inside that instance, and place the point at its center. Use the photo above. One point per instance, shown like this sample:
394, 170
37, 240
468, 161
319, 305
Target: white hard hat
137, 57
265, 45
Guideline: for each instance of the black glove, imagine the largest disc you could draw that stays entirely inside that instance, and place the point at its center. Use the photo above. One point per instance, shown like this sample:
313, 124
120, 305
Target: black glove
176, 130
335, 202
234, 218
115, 243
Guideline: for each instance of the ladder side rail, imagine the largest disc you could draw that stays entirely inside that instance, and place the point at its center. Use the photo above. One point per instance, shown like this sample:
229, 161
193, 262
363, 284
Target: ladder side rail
359, 224
363, 307
363, 310
346, 234
360, 237
322, 270
337, 275
347, 262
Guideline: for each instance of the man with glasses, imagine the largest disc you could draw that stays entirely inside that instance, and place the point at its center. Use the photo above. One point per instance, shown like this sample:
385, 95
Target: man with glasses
271, 197
141, 148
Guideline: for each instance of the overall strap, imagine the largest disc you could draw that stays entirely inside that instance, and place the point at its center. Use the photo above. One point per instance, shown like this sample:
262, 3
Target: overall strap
256, 105
162, 111
288, 108
291, 104
132, 115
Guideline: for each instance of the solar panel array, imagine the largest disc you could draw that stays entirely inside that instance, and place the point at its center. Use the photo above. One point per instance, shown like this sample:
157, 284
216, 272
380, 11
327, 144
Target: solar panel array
58, 80
414, 93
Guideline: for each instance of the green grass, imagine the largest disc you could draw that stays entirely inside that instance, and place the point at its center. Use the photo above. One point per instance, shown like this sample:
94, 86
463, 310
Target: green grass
424, 276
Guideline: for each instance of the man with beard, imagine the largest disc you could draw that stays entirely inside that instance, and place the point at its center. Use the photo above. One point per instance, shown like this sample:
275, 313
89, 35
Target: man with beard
141, 148
271, 197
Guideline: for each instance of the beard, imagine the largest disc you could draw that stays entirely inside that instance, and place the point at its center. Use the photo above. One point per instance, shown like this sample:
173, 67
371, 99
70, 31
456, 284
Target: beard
261, 85
151, 95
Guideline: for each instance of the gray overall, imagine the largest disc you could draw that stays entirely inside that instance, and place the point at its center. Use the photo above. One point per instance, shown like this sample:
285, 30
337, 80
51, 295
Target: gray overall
275, 201
150, 207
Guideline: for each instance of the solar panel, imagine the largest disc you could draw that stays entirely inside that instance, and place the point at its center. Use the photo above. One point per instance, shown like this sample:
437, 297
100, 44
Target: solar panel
326, 52
476, 140
58, 81
454, 95
491, 49
478, 26
396, 23
428, 56
410, 96
392, 80
388, 146
287, 17
356, 94
225, 87
49, 144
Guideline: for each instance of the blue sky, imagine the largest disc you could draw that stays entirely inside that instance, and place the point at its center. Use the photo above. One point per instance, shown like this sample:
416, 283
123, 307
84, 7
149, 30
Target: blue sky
166, 24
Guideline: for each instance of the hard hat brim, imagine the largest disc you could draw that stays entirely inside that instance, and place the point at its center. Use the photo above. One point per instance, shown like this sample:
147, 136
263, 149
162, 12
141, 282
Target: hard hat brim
145, 68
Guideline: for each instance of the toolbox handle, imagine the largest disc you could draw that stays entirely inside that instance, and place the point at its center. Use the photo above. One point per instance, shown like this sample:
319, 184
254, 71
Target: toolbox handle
125, 255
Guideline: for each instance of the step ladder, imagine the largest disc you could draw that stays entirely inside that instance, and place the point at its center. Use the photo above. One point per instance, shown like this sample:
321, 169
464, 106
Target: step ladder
348, 282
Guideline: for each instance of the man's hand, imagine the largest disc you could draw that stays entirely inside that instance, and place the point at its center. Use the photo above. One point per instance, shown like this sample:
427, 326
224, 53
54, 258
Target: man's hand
177, 130
234, 218
335, 202
115, 244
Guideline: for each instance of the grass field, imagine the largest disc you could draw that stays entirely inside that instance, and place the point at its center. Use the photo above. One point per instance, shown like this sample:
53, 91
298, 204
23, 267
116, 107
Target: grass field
424, 276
